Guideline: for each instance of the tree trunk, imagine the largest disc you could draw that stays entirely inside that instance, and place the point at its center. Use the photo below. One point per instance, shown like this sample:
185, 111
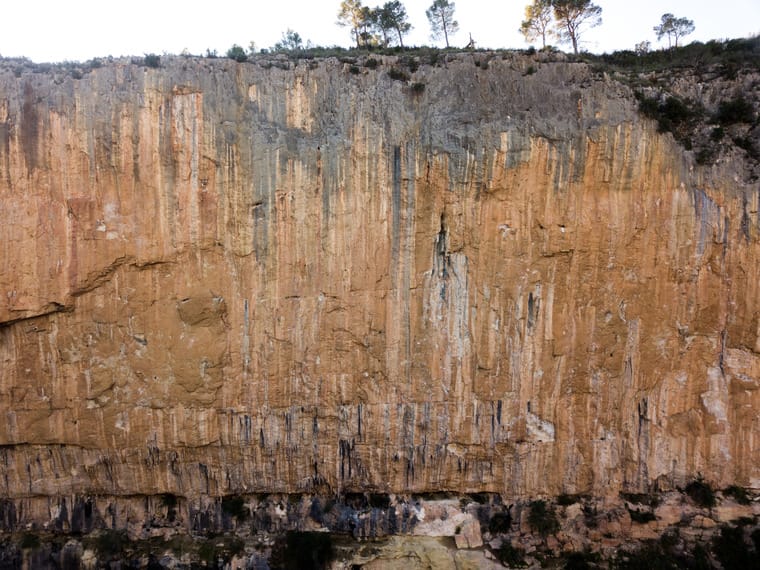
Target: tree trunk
400, 38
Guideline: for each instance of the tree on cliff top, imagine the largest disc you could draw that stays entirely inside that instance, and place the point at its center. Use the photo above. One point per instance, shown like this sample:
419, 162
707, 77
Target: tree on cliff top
290, 42
354, 16
441, 18
538, 21
571, 15
392, 16
237, 53
674, 28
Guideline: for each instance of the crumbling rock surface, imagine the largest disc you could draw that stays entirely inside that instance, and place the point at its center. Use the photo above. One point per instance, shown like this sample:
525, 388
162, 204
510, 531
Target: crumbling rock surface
221, 278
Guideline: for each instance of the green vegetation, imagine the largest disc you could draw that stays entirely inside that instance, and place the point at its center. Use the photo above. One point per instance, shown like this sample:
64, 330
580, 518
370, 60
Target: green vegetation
109, 544
500, 523
237, 53
705, 131
169, 501
737, 110
572, 16
152, 60
291, 42
317, 511
379, 26
565, 500
392, 17
667, 553
738, 493
510, 556
732, 550
641, 516
673, 115
701, 493
398, 74
649, 499
379, 500
224, 548
674, 28
730, 54
411, 63
480, 498
303, 551
539, 22
234, 506
581, 560
441, 18
650, 556
355, 17
29, 541
542, 518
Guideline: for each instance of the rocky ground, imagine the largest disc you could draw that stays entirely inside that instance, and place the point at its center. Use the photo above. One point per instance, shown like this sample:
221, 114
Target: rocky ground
693, 528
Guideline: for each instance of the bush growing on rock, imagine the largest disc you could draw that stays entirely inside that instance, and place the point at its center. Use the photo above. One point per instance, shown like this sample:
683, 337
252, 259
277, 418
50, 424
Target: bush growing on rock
738, 493
152, 60
510, 556
581, 561
641, 516
220, 548
234, 505
542, 518
701, 493
303, 550
500, 523
29, 541
737, 110
732, 551
237, 53
109, 544
565, 500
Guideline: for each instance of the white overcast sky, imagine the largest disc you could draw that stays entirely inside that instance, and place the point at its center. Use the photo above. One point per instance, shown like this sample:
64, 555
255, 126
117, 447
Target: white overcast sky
59, 30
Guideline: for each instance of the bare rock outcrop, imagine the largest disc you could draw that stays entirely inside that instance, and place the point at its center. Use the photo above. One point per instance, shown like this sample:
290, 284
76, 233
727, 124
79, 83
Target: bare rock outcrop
221, 278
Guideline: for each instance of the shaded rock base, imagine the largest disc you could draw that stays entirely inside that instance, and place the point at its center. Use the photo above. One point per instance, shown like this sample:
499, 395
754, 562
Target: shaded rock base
695, 527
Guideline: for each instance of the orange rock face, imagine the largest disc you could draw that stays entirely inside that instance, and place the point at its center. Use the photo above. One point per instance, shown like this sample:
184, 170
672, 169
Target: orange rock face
227, 278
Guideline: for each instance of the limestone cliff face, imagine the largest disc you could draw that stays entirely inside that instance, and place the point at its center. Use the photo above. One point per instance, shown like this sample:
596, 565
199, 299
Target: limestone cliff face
227, 278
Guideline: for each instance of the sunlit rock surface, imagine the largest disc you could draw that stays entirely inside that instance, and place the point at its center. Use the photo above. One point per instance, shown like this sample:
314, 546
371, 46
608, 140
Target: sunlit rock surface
221, 278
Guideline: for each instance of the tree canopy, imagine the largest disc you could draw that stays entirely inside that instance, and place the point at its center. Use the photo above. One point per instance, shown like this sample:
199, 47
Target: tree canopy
674, 28
392, 16
237, 53
352, 15
539, 21
441, 18
291, 41
373, 26
572, 15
